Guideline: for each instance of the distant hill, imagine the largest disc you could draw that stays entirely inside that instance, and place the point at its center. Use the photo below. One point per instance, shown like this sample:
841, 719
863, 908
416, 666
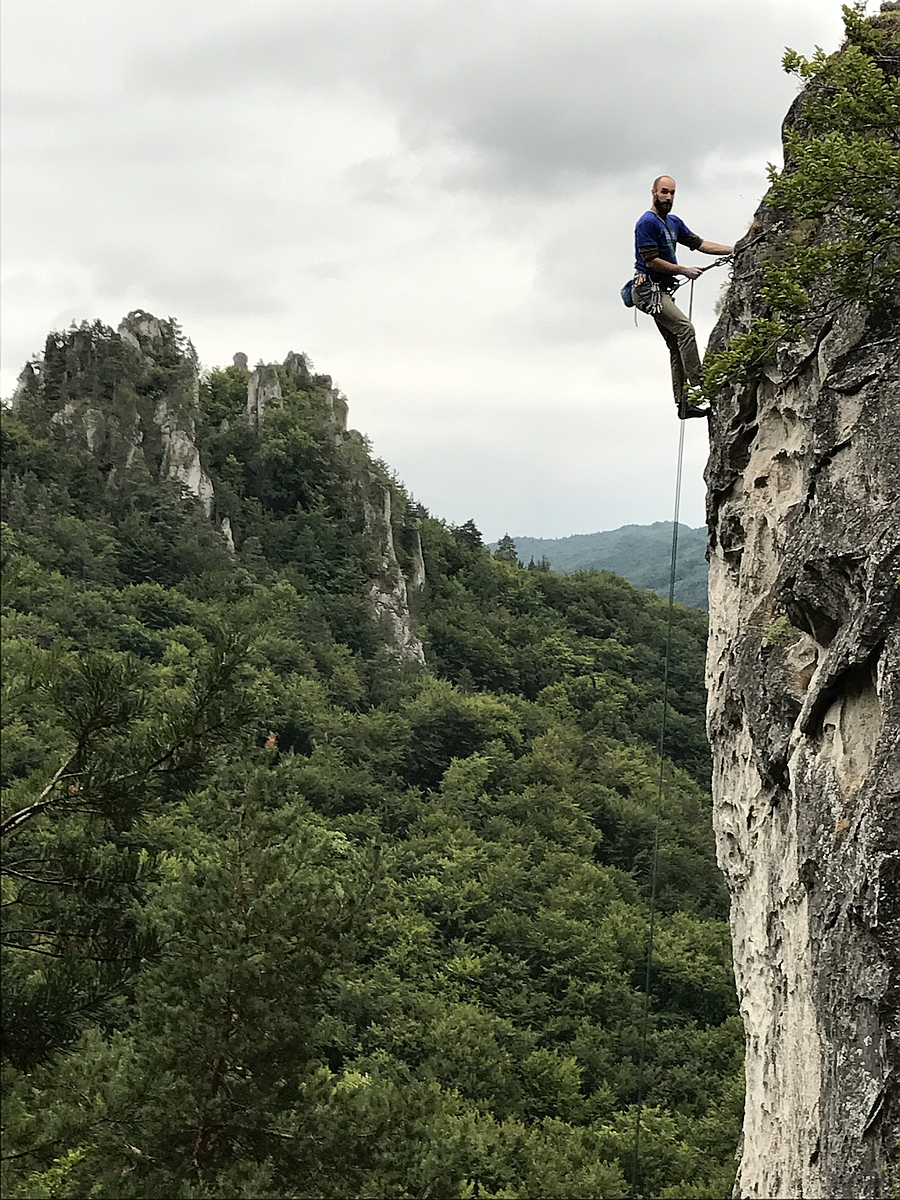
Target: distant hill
641, 553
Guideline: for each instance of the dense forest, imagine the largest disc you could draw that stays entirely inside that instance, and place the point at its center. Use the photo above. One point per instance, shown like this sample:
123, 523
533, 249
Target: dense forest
288, 914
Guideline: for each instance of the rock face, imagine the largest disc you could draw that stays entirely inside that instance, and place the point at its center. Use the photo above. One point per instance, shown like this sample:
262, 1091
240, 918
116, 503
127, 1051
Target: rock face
389, 591
264, 392
803, 673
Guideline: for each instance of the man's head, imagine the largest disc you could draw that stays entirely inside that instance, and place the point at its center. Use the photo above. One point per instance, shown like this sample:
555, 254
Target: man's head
663, 194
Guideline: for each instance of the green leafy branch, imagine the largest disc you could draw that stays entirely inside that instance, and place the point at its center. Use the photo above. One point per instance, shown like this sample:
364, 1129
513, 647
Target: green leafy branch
839, 187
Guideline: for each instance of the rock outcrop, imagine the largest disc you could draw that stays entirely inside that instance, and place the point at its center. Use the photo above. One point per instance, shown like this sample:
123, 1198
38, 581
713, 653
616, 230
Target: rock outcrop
803, 673
389, 591
130, 397
263, 393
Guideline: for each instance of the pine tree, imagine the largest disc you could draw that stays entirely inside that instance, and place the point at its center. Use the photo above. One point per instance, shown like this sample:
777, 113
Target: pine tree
76, 859
506, 550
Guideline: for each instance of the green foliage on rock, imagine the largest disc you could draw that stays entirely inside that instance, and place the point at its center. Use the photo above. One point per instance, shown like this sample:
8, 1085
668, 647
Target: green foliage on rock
287, 916
838, 238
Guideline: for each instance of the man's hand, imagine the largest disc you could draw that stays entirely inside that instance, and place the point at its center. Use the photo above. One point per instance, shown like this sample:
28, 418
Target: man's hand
661, 267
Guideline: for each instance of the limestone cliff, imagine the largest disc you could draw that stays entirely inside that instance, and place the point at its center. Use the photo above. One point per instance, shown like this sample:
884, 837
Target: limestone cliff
803, 673
389, 591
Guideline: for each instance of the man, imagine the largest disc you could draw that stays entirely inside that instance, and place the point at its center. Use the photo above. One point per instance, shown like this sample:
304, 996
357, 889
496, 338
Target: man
655, 238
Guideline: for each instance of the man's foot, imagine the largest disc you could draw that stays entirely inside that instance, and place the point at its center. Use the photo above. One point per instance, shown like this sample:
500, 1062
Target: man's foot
686, 411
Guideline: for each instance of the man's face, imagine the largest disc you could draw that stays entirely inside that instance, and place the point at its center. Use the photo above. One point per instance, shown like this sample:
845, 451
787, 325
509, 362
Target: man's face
664, 195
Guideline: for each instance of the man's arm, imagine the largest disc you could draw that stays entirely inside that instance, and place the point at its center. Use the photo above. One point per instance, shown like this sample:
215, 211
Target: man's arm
657, 263
651, 257
713, 248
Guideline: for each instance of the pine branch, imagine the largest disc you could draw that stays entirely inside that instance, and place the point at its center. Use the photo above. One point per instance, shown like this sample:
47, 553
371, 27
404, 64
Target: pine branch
94, 958
46, 799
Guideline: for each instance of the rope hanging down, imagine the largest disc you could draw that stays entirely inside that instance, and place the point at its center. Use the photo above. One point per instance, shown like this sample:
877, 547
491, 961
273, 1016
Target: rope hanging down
639, 1107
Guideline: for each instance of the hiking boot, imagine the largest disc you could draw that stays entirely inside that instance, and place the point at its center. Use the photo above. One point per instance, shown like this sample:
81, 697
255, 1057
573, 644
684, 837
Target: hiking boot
686, 411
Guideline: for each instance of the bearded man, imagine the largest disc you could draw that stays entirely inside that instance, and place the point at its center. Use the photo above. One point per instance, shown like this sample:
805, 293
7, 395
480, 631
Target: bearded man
656, 235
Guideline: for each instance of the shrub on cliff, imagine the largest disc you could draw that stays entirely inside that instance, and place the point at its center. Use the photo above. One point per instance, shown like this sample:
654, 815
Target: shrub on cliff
838, 236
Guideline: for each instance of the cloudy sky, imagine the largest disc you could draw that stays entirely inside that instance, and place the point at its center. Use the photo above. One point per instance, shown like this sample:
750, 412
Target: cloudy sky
435, 199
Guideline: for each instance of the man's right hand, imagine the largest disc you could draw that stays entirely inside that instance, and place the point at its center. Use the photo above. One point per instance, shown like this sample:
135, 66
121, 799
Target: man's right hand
690, 272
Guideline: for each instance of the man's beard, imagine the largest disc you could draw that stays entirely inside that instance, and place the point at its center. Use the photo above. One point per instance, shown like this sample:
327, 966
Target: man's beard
664, 206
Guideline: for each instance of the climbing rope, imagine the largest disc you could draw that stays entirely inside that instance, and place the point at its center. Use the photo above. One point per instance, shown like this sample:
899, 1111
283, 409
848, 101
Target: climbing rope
645, 1020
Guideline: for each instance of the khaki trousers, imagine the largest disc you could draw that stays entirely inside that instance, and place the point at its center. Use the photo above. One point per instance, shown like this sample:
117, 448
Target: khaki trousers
681, 339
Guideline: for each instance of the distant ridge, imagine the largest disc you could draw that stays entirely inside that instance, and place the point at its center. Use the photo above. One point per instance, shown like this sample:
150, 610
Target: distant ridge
642, 553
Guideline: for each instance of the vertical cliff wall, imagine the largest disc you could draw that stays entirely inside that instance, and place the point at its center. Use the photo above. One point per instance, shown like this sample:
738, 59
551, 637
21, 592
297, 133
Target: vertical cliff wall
803, 673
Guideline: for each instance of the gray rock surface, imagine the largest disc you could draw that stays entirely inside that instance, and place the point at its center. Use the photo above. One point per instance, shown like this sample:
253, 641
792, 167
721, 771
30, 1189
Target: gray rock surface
227, 533
263, 392
803, 672
389, 591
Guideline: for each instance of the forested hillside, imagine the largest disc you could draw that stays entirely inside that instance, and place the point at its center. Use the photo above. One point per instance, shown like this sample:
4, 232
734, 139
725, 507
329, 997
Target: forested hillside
288, 913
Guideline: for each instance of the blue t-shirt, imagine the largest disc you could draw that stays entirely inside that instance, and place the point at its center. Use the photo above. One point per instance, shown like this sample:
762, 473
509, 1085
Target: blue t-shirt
665, 234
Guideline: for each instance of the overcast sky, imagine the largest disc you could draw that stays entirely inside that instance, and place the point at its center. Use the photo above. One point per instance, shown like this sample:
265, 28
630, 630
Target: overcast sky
435, 199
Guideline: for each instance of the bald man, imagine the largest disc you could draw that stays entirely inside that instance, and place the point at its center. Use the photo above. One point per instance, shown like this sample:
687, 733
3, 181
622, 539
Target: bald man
655, 237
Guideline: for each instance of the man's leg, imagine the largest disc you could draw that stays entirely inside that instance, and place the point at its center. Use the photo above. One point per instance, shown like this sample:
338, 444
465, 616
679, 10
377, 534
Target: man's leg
681, 339
678, 377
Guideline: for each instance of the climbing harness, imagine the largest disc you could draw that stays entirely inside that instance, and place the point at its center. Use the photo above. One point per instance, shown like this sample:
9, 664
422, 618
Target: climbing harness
639, 1107
646, 295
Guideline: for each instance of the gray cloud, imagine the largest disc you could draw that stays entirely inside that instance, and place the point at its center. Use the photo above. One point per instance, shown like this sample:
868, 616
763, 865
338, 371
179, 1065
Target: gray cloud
435, 198
540, 94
